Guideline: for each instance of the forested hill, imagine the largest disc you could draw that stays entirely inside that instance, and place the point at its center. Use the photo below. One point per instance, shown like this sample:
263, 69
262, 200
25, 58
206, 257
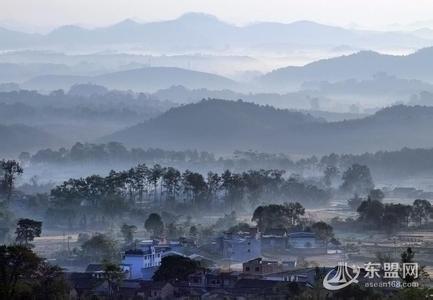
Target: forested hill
360, 65
141, 79
16, 138
224, 126
213, 124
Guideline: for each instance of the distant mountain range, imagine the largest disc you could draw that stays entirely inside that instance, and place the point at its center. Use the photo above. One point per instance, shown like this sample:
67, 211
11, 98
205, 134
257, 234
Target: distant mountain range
294, 100
362, 73
361, 65
365, 73
142, 79
224, 126
10, 72
196, 31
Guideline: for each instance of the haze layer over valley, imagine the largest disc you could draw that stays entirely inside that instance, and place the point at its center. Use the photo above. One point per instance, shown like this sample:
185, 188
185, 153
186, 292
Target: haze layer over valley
165, 151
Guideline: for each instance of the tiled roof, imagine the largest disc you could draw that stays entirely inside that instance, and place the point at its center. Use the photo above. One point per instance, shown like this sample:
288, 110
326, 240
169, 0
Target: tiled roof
83, 281
302, 235
95, 268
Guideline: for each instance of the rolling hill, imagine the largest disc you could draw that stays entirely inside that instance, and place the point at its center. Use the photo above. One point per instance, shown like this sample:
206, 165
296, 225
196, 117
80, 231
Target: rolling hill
18, 138
225, 126
213, 124
361, 65
142, 79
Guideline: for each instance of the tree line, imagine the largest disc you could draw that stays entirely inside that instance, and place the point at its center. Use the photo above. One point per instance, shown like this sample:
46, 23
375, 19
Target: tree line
401, 163
97, 197
113, 151
374, 214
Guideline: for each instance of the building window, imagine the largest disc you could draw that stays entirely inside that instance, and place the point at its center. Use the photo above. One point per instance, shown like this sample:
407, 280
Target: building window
257, 269
247, 269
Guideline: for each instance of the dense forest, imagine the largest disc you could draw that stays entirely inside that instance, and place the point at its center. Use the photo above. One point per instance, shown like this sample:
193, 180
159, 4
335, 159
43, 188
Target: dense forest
168, 189
403, 163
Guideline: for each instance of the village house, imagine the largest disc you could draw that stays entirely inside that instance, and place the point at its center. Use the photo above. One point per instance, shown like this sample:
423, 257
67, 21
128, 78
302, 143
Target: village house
278, 240
305, 243
96, 270
82, 284
304, 275
161, 291
213, 279
239, 246
260, 266
143, 261
274, 239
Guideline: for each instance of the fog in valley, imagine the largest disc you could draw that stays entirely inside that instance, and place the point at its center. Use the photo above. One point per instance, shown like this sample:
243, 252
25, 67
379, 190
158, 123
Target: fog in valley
207, 143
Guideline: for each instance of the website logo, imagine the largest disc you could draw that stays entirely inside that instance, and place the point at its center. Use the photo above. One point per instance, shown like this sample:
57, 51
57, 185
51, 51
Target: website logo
342, 277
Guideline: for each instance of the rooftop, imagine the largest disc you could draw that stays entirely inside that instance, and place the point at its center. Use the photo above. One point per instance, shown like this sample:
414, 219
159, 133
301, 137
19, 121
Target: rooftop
274, 232
95, 268
301, 234
136, 252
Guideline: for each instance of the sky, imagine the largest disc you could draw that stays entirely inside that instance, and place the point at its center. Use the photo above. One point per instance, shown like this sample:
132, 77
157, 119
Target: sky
39, 15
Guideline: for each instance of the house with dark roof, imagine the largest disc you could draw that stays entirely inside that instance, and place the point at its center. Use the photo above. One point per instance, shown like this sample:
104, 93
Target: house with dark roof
97, 270
211, 279
260, 266
161, 291
129, 288
82, 284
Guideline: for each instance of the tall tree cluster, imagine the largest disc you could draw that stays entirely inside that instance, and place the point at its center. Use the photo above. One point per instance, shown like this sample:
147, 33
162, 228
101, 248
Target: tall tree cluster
390, 217
96, 197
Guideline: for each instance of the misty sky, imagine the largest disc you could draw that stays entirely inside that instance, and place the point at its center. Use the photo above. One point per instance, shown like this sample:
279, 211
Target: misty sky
39, 14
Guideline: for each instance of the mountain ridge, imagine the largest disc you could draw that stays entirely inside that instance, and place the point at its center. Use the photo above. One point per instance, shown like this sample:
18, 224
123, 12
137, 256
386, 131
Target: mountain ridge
360, 65
139, 79
197, 30
221, 125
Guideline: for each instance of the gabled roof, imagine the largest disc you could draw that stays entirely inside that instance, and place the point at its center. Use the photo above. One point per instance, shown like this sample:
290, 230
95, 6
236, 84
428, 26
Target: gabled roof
83, 281
171, 252
92, 268
261, 260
